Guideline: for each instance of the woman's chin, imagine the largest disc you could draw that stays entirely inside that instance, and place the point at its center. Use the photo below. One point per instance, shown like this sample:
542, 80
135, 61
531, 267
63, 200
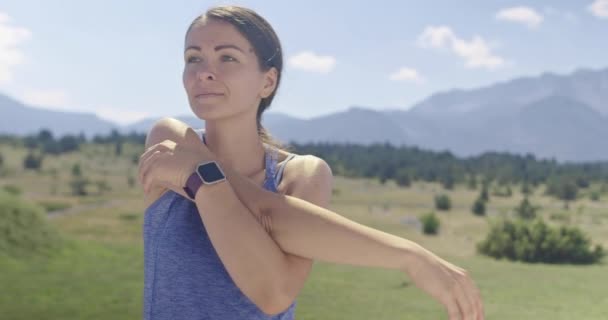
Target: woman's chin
208, 112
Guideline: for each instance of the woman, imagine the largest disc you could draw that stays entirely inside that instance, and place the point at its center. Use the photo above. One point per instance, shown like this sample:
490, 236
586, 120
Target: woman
242, 247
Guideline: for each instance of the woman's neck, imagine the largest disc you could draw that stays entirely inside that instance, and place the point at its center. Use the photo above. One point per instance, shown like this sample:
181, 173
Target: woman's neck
237, 145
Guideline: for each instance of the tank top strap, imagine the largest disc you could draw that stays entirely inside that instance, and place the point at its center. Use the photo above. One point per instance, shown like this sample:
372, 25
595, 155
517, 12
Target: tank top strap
271, 156
279, 173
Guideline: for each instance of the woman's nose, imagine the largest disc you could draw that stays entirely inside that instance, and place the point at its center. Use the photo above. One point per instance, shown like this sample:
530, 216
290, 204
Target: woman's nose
205, 73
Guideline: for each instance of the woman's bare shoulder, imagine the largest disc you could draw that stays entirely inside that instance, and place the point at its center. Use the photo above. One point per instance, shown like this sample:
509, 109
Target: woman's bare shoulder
166, 128
305, 172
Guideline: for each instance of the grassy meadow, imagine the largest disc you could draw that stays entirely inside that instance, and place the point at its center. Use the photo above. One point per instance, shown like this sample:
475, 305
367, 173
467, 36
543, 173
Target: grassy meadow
97, 271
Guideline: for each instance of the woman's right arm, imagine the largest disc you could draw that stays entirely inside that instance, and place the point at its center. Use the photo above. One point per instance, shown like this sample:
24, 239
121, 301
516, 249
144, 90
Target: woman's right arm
305, 229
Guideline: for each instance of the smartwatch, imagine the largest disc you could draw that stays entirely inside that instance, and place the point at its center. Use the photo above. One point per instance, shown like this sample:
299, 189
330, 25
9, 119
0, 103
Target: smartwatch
206, 173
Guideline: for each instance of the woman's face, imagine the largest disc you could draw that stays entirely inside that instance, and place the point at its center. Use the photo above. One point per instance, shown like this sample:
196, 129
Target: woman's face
221, 76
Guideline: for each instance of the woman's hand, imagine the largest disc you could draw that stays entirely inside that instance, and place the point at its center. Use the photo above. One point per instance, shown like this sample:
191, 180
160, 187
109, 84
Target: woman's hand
450, 285
170, 164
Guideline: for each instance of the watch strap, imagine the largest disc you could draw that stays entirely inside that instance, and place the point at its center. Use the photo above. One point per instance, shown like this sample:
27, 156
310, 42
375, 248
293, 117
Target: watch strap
193, 183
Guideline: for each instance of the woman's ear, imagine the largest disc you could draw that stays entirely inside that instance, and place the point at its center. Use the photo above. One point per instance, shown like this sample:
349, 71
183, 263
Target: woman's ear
270, 82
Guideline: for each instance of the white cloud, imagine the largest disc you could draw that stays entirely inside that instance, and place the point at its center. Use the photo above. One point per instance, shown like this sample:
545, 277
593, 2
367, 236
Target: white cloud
599, 8
524, 15
10, 39
406, 74
53, 98
309, 61
120, 115
476, 52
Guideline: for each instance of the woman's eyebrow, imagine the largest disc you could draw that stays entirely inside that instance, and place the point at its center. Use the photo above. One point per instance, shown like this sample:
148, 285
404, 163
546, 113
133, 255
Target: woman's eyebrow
217, 48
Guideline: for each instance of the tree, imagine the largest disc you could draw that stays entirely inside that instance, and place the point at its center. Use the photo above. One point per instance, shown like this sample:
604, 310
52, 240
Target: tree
484, 196
472, 183
118, 148
430, 223
442, 202
76, 170
447, 181
45, 135
403, 178
78, 182
563, 188
31, 161
479, 207
79, 186
526, 210
69, 143
526, 189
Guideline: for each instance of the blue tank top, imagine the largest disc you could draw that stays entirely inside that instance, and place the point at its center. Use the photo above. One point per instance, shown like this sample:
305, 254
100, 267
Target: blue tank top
184, 277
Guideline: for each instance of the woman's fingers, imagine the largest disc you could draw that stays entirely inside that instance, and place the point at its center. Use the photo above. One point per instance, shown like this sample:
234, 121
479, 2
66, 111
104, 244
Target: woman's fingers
145, 157
473, 296
454, 310
147, 177
471, 300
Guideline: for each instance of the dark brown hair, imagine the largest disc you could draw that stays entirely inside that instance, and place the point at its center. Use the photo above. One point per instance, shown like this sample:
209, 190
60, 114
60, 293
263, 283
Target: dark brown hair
266, 45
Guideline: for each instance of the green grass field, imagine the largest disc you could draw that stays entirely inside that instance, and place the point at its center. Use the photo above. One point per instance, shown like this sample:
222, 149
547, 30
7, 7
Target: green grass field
98, 274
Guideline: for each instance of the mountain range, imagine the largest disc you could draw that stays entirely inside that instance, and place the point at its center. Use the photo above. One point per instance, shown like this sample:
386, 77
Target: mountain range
564, 117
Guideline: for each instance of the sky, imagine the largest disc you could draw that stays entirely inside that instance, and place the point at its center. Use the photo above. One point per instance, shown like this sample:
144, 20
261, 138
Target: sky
123, 60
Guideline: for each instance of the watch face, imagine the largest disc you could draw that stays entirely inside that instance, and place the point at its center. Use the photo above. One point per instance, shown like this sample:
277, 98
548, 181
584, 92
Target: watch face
210, 172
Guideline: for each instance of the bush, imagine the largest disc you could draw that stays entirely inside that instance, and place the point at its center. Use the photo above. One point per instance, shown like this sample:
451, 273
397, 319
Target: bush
526, 210
23, 228
442, 202
403, 178
539, 242
12, 189
79, 186
430, 223
479, 207
447, 182
32, 161
53, 205
483, 195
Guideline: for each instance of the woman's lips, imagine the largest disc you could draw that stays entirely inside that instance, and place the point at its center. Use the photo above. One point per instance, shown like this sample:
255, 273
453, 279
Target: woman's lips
203, 95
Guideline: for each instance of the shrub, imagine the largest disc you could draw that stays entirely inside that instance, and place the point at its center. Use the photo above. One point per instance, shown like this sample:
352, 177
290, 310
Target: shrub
403, 178
526, 210
23, 228
442, 202
483, 195
12, 189
479, 207
539, 242
31, 161
430, 223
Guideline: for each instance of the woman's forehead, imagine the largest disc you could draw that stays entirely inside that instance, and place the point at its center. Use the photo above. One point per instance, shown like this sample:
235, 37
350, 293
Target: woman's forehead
213, 32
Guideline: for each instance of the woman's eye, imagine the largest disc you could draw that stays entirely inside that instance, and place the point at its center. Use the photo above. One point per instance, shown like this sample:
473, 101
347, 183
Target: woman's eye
228, 58
192, 59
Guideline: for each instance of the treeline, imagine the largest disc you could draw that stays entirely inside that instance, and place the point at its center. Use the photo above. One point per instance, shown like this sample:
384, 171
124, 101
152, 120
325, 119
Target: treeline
386, 162
407, 164
47, 143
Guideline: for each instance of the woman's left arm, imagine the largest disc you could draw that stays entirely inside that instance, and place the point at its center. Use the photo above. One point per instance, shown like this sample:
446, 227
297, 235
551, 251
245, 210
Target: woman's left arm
253, 259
